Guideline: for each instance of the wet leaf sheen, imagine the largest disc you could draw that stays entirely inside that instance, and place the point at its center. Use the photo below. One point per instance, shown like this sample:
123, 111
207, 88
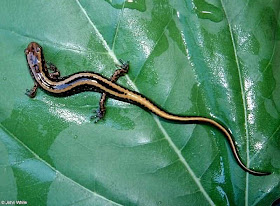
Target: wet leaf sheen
217, 59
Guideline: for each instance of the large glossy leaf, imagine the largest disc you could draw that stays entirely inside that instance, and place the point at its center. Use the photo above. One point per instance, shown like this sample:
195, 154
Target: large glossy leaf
216, 58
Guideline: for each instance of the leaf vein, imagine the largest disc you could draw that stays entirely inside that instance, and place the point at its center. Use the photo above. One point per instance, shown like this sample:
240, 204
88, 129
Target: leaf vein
118, 26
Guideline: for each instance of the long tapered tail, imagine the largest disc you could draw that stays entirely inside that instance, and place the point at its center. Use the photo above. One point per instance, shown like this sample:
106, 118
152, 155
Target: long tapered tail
142, 101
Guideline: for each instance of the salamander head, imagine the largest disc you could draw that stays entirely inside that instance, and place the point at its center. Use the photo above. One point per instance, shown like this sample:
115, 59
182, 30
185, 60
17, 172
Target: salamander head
33, 48
34, 57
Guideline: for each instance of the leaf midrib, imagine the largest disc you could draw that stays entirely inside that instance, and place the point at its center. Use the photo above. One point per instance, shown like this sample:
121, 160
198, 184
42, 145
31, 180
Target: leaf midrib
243, 103
131, 83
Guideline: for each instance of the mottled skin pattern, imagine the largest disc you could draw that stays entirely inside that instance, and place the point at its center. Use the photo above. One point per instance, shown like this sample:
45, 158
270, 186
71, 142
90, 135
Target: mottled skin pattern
47, 77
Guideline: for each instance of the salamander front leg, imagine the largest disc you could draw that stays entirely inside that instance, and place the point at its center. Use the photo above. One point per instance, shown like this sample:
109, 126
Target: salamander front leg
55, 74
32, 92
100, 113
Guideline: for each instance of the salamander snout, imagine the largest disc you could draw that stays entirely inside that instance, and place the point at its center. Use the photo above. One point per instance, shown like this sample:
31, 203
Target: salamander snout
32, 47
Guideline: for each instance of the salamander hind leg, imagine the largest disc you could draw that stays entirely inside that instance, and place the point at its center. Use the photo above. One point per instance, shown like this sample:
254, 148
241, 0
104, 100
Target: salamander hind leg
120, 72
100, 113
33, 91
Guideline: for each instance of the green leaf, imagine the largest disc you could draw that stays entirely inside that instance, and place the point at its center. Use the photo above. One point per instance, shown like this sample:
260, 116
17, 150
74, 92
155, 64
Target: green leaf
217, 59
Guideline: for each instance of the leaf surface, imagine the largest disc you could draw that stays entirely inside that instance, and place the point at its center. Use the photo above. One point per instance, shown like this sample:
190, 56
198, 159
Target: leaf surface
217, 59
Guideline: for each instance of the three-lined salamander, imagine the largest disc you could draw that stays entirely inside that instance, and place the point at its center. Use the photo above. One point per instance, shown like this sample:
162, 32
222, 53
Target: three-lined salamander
90, 81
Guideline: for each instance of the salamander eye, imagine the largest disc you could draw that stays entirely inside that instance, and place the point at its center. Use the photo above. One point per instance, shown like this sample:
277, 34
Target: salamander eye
38, 49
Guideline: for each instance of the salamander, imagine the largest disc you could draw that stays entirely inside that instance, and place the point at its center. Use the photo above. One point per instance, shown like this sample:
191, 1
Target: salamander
47, 77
